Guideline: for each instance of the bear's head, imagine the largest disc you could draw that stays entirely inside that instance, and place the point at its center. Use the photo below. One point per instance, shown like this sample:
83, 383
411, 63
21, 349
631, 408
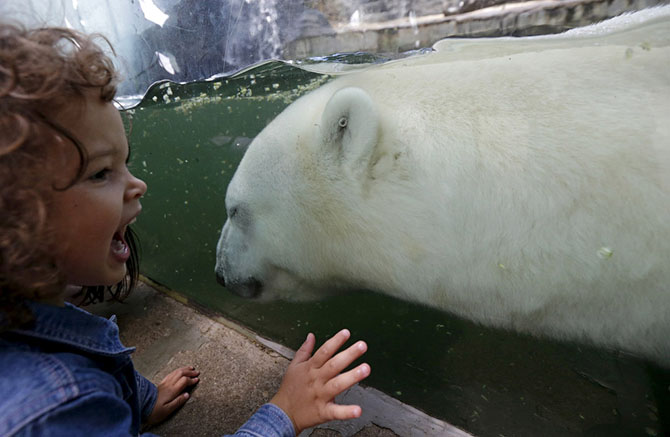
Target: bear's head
306, 213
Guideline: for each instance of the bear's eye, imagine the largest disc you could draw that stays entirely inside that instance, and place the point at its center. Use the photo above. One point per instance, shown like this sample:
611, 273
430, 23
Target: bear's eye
239, 215
342, 123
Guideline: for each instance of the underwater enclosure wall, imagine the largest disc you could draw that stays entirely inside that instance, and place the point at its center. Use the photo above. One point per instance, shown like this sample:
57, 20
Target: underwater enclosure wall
187, 140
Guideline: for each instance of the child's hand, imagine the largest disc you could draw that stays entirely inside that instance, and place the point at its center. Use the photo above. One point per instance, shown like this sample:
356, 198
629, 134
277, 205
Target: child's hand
310, 385
171, 394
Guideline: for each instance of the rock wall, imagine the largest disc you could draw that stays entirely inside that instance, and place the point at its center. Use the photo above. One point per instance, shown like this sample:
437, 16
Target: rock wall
396, 26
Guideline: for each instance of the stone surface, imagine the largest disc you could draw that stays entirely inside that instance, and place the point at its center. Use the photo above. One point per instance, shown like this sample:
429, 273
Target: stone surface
388, 33
238, 373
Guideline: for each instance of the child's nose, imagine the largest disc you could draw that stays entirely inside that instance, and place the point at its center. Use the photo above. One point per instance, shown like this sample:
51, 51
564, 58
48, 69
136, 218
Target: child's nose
136, 188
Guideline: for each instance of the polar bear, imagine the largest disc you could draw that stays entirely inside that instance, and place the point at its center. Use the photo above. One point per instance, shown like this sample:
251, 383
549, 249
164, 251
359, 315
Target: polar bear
522, 183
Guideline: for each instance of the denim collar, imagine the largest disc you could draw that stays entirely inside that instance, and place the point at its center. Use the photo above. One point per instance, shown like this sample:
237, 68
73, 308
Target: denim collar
77, 328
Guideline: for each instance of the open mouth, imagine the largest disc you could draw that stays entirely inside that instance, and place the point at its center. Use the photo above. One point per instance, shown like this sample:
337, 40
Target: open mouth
120, 247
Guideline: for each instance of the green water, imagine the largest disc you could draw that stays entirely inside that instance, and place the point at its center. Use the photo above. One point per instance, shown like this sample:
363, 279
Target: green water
186, 142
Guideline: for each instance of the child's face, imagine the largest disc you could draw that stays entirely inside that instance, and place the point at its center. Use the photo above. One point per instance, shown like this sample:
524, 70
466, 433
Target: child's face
91, 217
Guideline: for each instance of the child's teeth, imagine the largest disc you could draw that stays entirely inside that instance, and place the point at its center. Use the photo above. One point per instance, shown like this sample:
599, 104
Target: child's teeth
118, 246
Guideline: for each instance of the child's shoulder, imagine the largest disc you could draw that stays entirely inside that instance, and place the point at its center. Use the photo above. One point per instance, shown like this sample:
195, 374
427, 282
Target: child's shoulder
39, 376
34, 382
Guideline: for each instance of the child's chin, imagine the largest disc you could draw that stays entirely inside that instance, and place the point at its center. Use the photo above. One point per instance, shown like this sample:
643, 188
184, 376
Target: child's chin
115, 276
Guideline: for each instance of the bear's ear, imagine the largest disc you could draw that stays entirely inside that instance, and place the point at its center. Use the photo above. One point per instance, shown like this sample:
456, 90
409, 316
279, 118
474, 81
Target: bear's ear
350, 126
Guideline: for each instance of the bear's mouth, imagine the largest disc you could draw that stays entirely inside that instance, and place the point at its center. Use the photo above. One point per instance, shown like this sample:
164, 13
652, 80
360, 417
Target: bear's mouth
250, 288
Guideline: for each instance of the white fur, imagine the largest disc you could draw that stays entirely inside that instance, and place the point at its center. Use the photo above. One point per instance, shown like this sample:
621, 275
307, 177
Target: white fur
522, 183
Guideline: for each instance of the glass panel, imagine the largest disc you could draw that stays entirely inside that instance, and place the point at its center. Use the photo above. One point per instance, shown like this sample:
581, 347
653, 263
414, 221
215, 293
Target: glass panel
187, 142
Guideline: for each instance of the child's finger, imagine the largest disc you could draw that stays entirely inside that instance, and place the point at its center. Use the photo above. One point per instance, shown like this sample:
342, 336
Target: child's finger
190, 373
344, 412
186, 381
174, 388
340, 361
177, 402
178, 373
330, 347
346, 380
305, 350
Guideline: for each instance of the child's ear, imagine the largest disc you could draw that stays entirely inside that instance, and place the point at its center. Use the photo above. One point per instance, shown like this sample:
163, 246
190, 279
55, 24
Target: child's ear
350, 127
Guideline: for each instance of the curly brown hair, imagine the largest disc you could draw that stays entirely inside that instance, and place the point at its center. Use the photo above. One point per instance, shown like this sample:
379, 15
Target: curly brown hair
42, 71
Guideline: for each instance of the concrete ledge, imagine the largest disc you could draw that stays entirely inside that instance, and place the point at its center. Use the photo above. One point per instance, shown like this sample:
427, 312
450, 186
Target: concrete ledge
239, 371
382, 410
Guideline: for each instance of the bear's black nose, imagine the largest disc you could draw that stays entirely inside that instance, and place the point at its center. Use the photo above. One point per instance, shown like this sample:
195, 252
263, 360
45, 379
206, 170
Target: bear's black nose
220, 279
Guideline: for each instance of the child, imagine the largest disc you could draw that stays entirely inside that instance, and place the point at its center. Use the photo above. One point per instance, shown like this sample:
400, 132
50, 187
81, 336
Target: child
67, 201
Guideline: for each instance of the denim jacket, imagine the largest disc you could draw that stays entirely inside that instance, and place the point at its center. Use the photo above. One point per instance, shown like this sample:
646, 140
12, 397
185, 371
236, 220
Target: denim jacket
69, 375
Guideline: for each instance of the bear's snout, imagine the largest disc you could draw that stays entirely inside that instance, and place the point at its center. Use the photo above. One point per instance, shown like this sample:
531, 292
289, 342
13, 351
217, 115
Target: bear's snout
220, 279
249, 288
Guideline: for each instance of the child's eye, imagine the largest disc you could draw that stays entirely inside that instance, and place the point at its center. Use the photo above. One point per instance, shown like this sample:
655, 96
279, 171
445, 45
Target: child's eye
102, 174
